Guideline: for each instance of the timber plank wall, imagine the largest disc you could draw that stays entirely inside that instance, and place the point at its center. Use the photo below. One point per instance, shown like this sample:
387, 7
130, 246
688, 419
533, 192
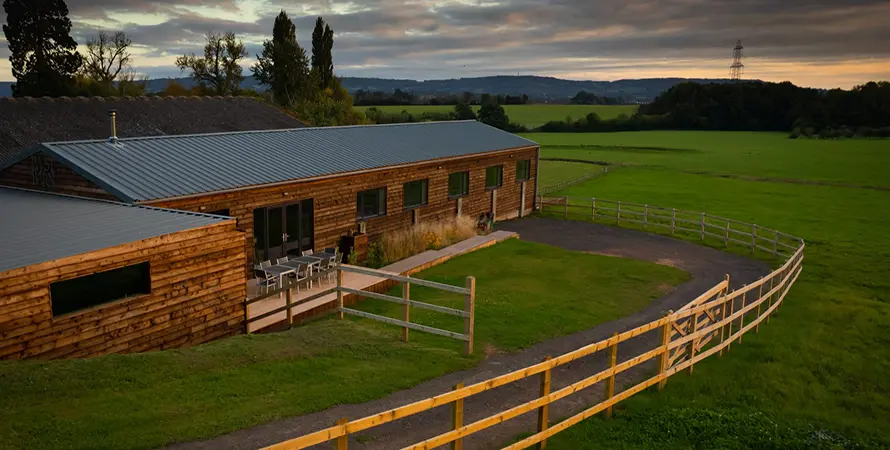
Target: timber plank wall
198, 287
44, 173
335, 198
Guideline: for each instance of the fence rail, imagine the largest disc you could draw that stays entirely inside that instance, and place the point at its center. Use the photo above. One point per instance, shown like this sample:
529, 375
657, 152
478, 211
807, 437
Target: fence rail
567, 183
707, 325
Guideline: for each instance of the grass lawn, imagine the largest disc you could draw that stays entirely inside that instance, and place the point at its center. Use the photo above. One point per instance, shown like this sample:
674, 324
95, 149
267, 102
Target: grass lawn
152, 399
529, 115
818, 376
553, 172
770, 155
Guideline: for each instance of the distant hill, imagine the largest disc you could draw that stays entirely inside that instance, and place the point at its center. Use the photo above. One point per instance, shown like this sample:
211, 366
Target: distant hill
540, 89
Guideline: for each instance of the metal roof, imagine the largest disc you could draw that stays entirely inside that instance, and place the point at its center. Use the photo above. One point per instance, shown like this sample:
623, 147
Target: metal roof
150, 168
36, 227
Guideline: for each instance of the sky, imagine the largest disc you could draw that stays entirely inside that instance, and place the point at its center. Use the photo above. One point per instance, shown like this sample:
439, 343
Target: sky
816, 43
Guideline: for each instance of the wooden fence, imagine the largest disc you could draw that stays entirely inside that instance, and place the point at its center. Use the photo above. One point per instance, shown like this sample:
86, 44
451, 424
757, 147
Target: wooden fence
564, 184
707, 325
468, 313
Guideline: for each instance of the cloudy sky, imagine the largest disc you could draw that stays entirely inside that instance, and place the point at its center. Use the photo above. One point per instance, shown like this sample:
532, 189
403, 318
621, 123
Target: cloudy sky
820, 43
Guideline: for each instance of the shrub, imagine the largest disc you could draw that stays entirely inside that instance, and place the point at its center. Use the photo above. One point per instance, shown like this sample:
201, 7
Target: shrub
352, 258
794, 134
401, 244
376, 255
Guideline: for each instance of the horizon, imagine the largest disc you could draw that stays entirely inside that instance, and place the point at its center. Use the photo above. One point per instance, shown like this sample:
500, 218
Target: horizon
826, 45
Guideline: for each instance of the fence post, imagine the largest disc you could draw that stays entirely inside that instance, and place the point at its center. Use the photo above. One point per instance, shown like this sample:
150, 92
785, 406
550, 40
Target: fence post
776, 244
645, 215
470, 307
610, 385
769, 301
702, 226
759, 304
342, 441
593, 208
618, 222
340, 291
753, 238
693, 326
664, 359
742, 318
544, 410
673, 220
726, 235
566, 212
457, 419
406, 294
290, 314
729, 332
723, 315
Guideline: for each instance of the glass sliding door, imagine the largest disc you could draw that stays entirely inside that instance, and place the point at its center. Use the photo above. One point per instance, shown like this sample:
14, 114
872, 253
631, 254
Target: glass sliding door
283, 230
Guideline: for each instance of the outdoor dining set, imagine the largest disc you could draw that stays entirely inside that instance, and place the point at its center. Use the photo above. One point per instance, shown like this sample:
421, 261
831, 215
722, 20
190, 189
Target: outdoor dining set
296, 269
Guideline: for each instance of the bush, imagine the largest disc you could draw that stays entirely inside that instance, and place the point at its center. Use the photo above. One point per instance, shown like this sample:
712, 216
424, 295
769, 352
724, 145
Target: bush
795, 133
402, 244
376, 255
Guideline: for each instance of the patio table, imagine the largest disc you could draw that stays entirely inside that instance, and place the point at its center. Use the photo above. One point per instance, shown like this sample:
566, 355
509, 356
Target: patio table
278, 271
313, 263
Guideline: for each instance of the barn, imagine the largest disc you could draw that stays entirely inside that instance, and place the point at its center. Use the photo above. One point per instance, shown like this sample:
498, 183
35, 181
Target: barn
84, 277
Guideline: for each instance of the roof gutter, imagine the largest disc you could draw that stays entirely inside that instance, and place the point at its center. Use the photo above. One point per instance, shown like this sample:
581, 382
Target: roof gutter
343, 174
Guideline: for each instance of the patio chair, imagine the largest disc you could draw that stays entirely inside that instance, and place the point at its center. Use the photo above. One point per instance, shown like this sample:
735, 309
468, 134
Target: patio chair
281, 260
265, 279
308, 252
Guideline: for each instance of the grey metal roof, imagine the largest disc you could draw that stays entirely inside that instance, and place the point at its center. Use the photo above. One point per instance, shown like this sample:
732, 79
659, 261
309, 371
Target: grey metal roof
150, 168
36, 227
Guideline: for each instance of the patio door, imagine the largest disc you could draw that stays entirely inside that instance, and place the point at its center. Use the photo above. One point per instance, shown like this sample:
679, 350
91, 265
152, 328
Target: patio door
283, 230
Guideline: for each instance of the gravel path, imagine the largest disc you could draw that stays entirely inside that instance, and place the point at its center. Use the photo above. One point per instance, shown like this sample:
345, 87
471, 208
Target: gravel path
706, 265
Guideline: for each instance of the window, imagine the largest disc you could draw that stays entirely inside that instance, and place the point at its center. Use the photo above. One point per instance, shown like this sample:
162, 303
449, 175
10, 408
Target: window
494, 177
102, 287
415, 193
458, 184
523, 170
221, 212
371, 203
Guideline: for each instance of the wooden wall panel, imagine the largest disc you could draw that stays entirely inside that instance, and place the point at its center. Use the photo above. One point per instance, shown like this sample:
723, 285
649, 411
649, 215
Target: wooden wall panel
198, 287
335, 198
62, 180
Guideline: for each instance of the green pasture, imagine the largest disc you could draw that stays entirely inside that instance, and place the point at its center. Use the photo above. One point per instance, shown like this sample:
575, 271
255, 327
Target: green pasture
529, 115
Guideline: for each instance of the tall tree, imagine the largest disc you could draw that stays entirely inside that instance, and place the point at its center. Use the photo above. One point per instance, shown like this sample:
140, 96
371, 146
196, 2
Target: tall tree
219, 68
107, 56
283, 64
43, 54
322, 59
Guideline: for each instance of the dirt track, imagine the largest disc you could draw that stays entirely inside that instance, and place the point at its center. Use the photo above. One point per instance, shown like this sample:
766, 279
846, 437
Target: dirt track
706, 265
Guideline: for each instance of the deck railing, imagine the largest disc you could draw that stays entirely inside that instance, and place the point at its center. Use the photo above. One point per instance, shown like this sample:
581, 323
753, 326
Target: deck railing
705, 326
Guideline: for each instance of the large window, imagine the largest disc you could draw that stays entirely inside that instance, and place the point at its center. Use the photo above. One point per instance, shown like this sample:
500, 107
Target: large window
102, 287
371, 203
415, 193
523, 170
494, 177
458, 184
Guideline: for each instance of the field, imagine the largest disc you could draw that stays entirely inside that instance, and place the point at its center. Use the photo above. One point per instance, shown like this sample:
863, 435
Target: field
553, 172
818, 376
153, 399
529, 115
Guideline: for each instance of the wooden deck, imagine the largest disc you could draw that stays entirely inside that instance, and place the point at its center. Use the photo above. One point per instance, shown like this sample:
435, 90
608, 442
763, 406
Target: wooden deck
406, 266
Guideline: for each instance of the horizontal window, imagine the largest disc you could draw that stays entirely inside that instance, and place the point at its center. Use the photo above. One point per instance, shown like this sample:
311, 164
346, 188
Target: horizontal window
415, 193
96, 289
371, 203
523, 170
494, 177
458, 184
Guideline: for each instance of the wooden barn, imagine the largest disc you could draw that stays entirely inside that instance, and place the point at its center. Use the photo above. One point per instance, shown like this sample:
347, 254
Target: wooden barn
84, 277
297, 189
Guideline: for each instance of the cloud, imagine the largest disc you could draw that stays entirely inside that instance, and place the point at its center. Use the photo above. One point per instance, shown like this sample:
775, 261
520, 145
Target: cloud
824, 43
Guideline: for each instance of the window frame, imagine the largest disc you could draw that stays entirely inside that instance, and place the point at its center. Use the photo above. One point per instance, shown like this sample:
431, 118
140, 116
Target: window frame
381, 204
500, 168
465, 191
425, 194
528, 170
147, 291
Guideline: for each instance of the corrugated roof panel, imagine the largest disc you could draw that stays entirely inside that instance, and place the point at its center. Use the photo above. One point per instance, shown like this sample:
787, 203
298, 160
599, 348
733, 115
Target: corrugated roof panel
36, 227
171, 166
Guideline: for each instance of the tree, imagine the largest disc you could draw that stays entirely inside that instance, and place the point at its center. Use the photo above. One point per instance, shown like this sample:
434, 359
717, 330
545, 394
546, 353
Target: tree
43, 54
463, 111
322, 59
493, 114
219, 68
283, 64
107, 56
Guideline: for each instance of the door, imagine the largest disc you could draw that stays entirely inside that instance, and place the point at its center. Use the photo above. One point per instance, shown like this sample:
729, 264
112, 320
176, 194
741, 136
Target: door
283, 230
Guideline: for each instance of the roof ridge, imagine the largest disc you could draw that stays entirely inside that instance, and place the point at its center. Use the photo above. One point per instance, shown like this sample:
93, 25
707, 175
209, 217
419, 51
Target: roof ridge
242, 132
112, 202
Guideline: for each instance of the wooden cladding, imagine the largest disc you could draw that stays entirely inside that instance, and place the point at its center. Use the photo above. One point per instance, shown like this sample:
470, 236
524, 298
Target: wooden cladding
198, 288
335, 210
43, 173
